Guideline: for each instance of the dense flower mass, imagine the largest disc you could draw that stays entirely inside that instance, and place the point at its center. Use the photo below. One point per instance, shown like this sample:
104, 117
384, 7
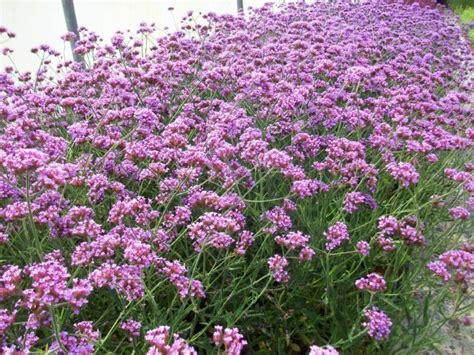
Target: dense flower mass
327, 350
378, 324
261, 171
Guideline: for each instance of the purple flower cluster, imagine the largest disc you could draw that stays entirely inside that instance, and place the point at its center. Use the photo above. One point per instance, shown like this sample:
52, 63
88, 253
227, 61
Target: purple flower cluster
363, 248
81, 342
353, 199
175, 272
372, 282
459, 213
326, 350
160, 170
454, 263
293, 240
409, 229
405, 173
277, 265
163, 343
131, 327
378, 324
231, 339
335, 235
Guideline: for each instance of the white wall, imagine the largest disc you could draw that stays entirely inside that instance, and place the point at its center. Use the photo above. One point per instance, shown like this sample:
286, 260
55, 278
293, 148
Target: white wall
38, 22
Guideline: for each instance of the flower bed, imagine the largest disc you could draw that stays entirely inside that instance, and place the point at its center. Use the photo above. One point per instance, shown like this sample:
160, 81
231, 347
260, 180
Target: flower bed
296, 181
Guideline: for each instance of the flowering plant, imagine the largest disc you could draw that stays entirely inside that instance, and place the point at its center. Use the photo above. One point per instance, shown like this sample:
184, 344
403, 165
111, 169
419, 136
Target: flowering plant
298, 180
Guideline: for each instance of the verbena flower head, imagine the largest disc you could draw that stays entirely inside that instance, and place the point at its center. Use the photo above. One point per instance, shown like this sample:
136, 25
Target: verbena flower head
162, 342
230, 338
459, 213
363, 248
378, 324
326, 350
335, 235
457, 264
277, 265
132, 327
372, 282
198, 169
405, 173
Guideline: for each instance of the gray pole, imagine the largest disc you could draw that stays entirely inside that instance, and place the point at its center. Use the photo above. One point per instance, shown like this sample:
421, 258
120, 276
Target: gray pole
240, 6
71, 24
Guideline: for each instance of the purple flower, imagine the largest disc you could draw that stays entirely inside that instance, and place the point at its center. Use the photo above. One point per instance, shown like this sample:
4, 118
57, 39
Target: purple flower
405, 173
378, 324
457, 263
363, 248
132, 327
293, 240
307, 188
162, 342
199, 154
459, 213
175, 272
277, 265
306, 254
372, 282
230, 338
326, 350
23, 160
335, 235
353, 199
125, 279
6, 320
215, 230
388, 225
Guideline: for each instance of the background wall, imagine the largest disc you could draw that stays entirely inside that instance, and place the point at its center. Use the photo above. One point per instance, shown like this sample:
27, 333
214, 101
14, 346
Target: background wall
38, 22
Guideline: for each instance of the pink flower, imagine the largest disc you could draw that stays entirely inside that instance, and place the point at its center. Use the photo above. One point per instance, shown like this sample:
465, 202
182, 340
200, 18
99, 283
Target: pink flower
293, 240
363, 248
6, 320
335, 235
405, 173
23, 160
372, 282
277, 265
352, 200
160, 337
307, 188
388, 225
326, 350
459, 213
231, 339
132, 327
306, 254
378, 324
457, 263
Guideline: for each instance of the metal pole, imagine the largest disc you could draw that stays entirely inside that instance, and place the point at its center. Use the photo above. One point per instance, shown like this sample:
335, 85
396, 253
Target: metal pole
240, 6
71, 24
